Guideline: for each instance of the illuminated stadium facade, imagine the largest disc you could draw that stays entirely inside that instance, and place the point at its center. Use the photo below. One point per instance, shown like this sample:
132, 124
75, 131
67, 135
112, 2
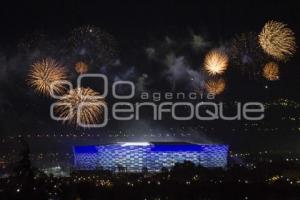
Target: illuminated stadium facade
134, 156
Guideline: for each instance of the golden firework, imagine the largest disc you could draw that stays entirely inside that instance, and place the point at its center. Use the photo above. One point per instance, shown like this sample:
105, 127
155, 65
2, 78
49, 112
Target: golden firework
80, 106
216, 62
81, 67
277, 40
271, 71
215, 86
47, 73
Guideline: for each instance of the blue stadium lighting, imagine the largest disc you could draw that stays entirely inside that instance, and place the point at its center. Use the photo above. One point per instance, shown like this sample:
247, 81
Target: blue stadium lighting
85, 149
133, 157
184, 147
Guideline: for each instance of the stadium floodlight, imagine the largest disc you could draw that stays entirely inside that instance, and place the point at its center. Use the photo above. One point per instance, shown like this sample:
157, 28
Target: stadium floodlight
135, 144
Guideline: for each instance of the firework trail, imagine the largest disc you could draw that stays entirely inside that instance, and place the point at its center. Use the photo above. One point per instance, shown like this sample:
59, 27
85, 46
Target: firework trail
93, 44
246, 54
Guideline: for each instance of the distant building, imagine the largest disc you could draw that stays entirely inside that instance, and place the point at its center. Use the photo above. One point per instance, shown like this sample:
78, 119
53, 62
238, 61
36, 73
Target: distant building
136, 156
56, 171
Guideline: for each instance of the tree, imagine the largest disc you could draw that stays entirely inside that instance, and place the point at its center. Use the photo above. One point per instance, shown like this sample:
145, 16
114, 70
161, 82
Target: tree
23, 166
145, 170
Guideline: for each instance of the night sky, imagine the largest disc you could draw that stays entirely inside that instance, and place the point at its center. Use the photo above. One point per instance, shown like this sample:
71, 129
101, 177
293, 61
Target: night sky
34, 30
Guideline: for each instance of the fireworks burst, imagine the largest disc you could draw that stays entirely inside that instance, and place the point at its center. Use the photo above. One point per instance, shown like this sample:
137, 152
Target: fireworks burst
90, 112
215, 86
271, 71
216, 62
81, 67
277, 40
45, 74
92, 43
246, 54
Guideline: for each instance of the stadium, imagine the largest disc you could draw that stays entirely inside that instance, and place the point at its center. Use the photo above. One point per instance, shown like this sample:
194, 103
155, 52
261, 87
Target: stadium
136, 156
